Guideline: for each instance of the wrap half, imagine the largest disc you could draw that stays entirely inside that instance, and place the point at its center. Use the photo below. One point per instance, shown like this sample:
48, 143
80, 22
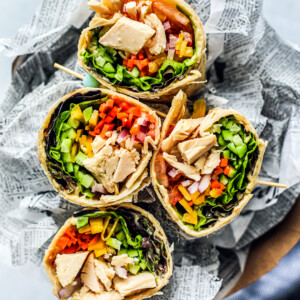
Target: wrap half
205, 169
95, 144
146, 49
119, 252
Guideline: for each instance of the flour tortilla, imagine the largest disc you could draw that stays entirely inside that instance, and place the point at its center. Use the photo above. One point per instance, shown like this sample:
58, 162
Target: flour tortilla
159, 232
140, 175
194, 78
175, 114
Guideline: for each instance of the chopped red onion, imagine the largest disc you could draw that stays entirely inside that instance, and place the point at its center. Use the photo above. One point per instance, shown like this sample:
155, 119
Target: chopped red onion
98, 188
142, 134
166, 25
121, 272
186, 183
142, 121
173, 173
122, 136
172, 41
192, 189
204, 183
66, 292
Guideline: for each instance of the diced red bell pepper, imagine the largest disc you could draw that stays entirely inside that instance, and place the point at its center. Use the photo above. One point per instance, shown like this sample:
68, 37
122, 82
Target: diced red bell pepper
102, 115
113, 112
191, 203
136, 111
110, 103
130, 63
124, 122
222, 186
121, 115
143, 73
140, 56
70, 250
135, 129
224, 162
106, 128
133, 56
227, 170
141, 64
174, 195
116, 98
62, 242
103, 108
124, 105
129, 122
214, 184
218, 170
125, 62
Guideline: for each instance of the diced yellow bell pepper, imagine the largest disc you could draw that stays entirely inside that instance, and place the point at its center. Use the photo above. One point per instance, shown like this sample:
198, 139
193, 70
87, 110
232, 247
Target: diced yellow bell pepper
215, 193
93, 120
96, 225
182, 48
76, 113
97, 246
191, 218
195, 195
84, 229
179, 41
153, 67
74, 152
100, 252
185, 193
88, 145
207, 191
87, 128
200, 199
78, 134
186, 206
199, 109
188, 52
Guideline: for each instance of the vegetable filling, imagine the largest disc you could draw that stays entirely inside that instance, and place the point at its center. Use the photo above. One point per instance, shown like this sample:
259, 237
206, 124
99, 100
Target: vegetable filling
97, 142
149, 47
206, 176
115, 253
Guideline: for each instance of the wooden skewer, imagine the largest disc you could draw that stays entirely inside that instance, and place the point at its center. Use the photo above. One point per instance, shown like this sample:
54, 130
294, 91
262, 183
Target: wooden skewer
280, 185
60, 67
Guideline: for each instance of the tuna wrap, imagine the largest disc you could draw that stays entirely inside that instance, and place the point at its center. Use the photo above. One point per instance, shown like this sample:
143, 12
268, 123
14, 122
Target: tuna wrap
95, 144
146, 49
205, 169
115, 253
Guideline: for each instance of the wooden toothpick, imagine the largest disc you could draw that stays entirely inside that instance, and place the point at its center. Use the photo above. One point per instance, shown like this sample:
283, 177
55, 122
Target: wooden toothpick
62, 68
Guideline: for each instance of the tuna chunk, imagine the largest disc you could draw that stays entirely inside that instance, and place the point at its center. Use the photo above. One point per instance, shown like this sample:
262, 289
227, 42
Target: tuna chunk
133, 283
125, 167
211, 163
104, 273
191, 150
199, 164
89, 277
157, 44
121, 260
181, 131
68, 266
98, 143
144, 8
131, 10
189, 171
127, 35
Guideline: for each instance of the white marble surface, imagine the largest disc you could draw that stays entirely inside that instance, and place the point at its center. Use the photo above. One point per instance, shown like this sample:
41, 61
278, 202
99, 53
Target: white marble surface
282, 15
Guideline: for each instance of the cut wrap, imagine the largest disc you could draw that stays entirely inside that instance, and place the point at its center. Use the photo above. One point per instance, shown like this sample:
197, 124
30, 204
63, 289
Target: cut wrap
95, 144
205, 169
155, 72
94, 250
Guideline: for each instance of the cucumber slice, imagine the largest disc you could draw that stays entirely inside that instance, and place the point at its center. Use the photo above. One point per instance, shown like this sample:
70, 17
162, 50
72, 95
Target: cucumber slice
111, 51
143, 265
134, 269
232, 172
224, 121
66, 145
69, 167
66, 157
65, 127
217, 128
108, 58
227, 135
122, 251
241, 150
90, 81
237, 140
100, 61
135, 72
133, 253
229, 124
120, 235
87, 181
87, 113
73, 123
80, 157
124, 243
226, 154
71, 133
221, 141
235, 128
108, 67
114, 243
223, 179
